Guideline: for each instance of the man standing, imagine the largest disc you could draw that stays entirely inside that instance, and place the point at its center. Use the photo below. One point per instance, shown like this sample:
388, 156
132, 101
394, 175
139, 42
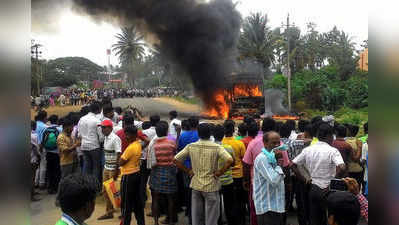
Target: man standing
68, 155
128, 121
323, 163
268, 188
173, 123
53, 168
112, 152
91, 135
205, 182
41, 120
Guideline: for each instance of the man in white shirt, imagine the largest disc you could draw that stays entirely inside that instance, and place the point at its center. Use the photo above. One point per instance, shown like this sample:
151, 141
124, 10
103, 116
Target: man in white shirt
324, 163
91, 138
112, 152
173, 123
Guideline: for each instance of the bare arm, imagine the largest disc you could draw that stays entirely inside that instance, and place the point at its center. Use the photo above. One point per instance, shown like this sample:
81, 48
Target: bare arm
226, 166
341, 170
182, 167
298, 174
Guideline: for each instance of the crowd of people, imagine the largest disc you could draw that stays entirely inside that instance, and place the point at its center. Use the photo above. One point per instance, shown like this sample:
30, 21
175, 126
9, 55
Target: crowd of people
80, 96
249, 173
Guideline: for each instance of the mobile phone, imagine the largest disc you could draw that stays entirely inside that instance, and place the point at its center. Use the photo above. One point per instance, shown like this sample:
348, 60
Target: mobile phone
338, 185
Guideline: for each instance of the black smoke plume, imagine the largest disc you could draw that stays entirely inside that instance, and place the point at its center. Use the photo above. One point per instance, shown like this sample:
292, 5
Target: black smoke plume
200, 37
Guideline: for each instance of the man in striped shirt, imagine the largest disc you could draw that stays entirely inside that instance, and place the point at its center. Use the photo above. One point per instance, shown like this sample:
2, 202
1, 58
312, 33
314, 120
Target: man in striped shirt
205, 182
268, 189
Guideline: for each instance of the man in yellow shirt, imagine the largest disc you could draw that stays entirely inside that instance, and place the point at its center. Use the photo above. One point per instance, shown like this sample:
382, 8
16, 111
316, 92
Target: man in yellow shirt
130, 185
241, 200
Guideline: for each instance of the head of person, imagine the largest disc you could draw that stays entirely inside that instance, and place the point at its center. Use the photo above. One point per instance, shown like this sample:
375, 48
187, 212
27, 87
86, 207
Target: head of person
316, 119
106, 102
253, 129
77, 194
285, 130
185, 125
162, 129
218, 132
271, 140
268, 124
278, 126
108, 112
95, 108
366, 128
343, 208
325, 133
242, 129
353, 130
204, 131
32, 125
68, 126
53, 119
146, 125
172, 115
308, 131
229, 128
41, 116
106, 127
118, 110
248, 120
84, 110
291, 124
154, 119
128, 120
131, 133
302, 124
193, 121
341, 131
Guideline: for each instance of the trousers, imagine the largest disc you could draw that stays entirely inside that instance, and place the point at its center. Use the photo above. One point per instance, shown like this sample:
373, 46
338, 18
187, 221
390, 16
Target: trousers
205, 207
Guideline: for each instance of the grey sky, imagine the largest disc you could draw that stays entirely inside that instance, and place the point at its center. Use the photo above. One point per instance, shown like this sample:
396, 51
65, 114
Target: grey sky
79, 36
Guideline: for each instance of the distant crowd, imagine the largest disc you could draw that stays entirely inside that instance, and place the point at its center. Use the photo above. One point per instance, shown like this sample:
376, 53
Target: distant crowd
227, 173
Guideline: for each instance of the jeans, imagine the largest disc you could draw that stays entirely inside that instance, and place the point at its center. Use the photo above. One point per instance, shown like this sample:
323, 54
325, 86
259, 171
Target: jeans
270, 218
53, 171
205, 207
131, 200
318, 208
92, 164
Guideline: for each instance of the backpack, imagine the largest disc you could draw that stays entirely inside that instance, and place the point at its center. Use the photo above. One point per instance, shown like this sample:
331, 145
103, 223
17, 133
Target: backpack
50, 138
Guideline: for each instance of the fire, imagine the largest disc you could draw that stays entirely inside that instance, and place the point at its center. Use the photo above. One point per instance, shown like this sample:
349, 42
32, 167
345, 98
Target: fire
246, 90
220, 108
277, 117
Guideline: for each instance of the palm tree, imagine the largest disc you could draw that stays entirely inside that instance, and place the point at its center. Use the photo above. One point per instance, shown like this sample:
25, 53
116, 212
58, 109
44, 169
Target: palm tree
257, 40
130, 48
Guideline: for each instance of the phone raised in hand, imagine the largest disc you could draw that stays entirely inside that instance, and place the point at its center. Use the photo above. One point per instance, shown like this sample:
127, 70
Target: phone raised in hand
338, 185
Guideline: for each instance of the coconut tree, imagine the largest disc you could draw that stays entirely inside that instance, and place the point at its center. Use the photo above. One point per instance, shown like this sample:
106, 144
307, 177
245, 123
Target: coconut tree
130, 49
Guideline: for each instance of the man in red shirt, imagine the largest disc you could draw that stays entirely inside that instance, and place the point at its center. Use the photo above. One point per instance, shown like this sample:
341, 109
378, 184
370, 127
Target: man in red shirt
128, 120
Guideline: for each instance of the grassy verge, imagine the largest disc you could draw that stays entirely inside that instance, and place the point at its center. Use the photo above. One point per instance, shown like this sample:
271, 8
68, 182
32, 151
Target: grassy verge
60, 111
193, 101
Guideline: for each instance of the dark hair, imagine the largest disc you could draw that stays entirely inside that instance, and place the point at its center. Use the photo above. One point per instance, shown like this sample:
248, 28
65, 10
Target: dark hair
84, 110
344, 206
193, 120
291, 124
366, 127
266, 136
212, 127
61, 121
341, 131
41, 115
353, 130
218, 132
32, 125
204, 131
75, 117
154, 119
106, 102
316, 119
268, 124
309, 129
302, 124
229, 127
173, 114
285, 130
108, 109
76, 190
253, 129
278, 125
95, 107
185, 125
242, 129
248, 120
146, 125
68, 122
162, 129
118, 110
53, 119
132, 130
128, 120
324, 131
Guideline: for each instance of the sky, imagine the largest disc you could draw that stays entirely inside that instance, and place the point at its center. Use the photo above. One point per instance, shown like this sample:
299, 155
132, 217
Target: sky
79, 36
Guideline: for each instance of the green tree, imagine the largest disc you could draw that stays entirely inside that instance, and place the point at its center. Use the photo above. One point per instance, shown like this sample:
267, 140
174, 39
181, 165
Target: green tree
257, 41
130, 49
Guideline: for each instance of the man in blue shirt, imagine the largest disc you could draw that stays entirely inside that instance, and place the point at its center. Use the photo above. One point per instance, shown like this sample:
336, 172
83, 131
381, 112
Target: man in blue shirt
268, 189
185, 138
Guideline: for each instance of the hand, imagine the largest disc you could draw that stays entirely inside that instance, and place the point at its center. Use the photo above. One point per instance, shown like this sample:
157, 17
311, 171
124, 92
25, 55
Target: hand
352, 185
190, 173
245, 185
177, 128
218, 173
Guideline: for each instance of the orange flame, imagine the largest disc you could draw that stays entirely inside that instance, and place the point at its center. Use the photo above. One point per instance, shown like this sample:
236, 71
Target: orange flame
277, 117
246, 90
220, 108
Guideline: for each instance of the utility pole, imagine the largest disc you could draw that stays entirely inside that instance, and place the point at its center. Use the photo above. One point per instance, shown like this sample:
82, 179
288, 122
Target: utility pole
288, 63
35, 51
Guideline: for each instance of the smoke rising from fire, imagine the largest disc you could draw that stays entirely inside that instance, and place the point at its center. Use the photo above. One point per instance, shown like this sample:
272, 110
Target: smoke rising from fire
200, 37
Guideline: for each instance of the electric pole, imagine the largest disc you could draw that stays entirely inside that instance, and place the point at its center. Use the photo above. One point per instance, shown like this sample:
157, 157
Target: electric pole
35, 51
288, 63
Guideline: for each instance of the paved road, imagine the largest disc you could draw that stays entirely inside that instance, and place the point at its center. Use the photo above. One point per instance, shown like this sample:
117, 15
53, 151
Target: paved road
161, 106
